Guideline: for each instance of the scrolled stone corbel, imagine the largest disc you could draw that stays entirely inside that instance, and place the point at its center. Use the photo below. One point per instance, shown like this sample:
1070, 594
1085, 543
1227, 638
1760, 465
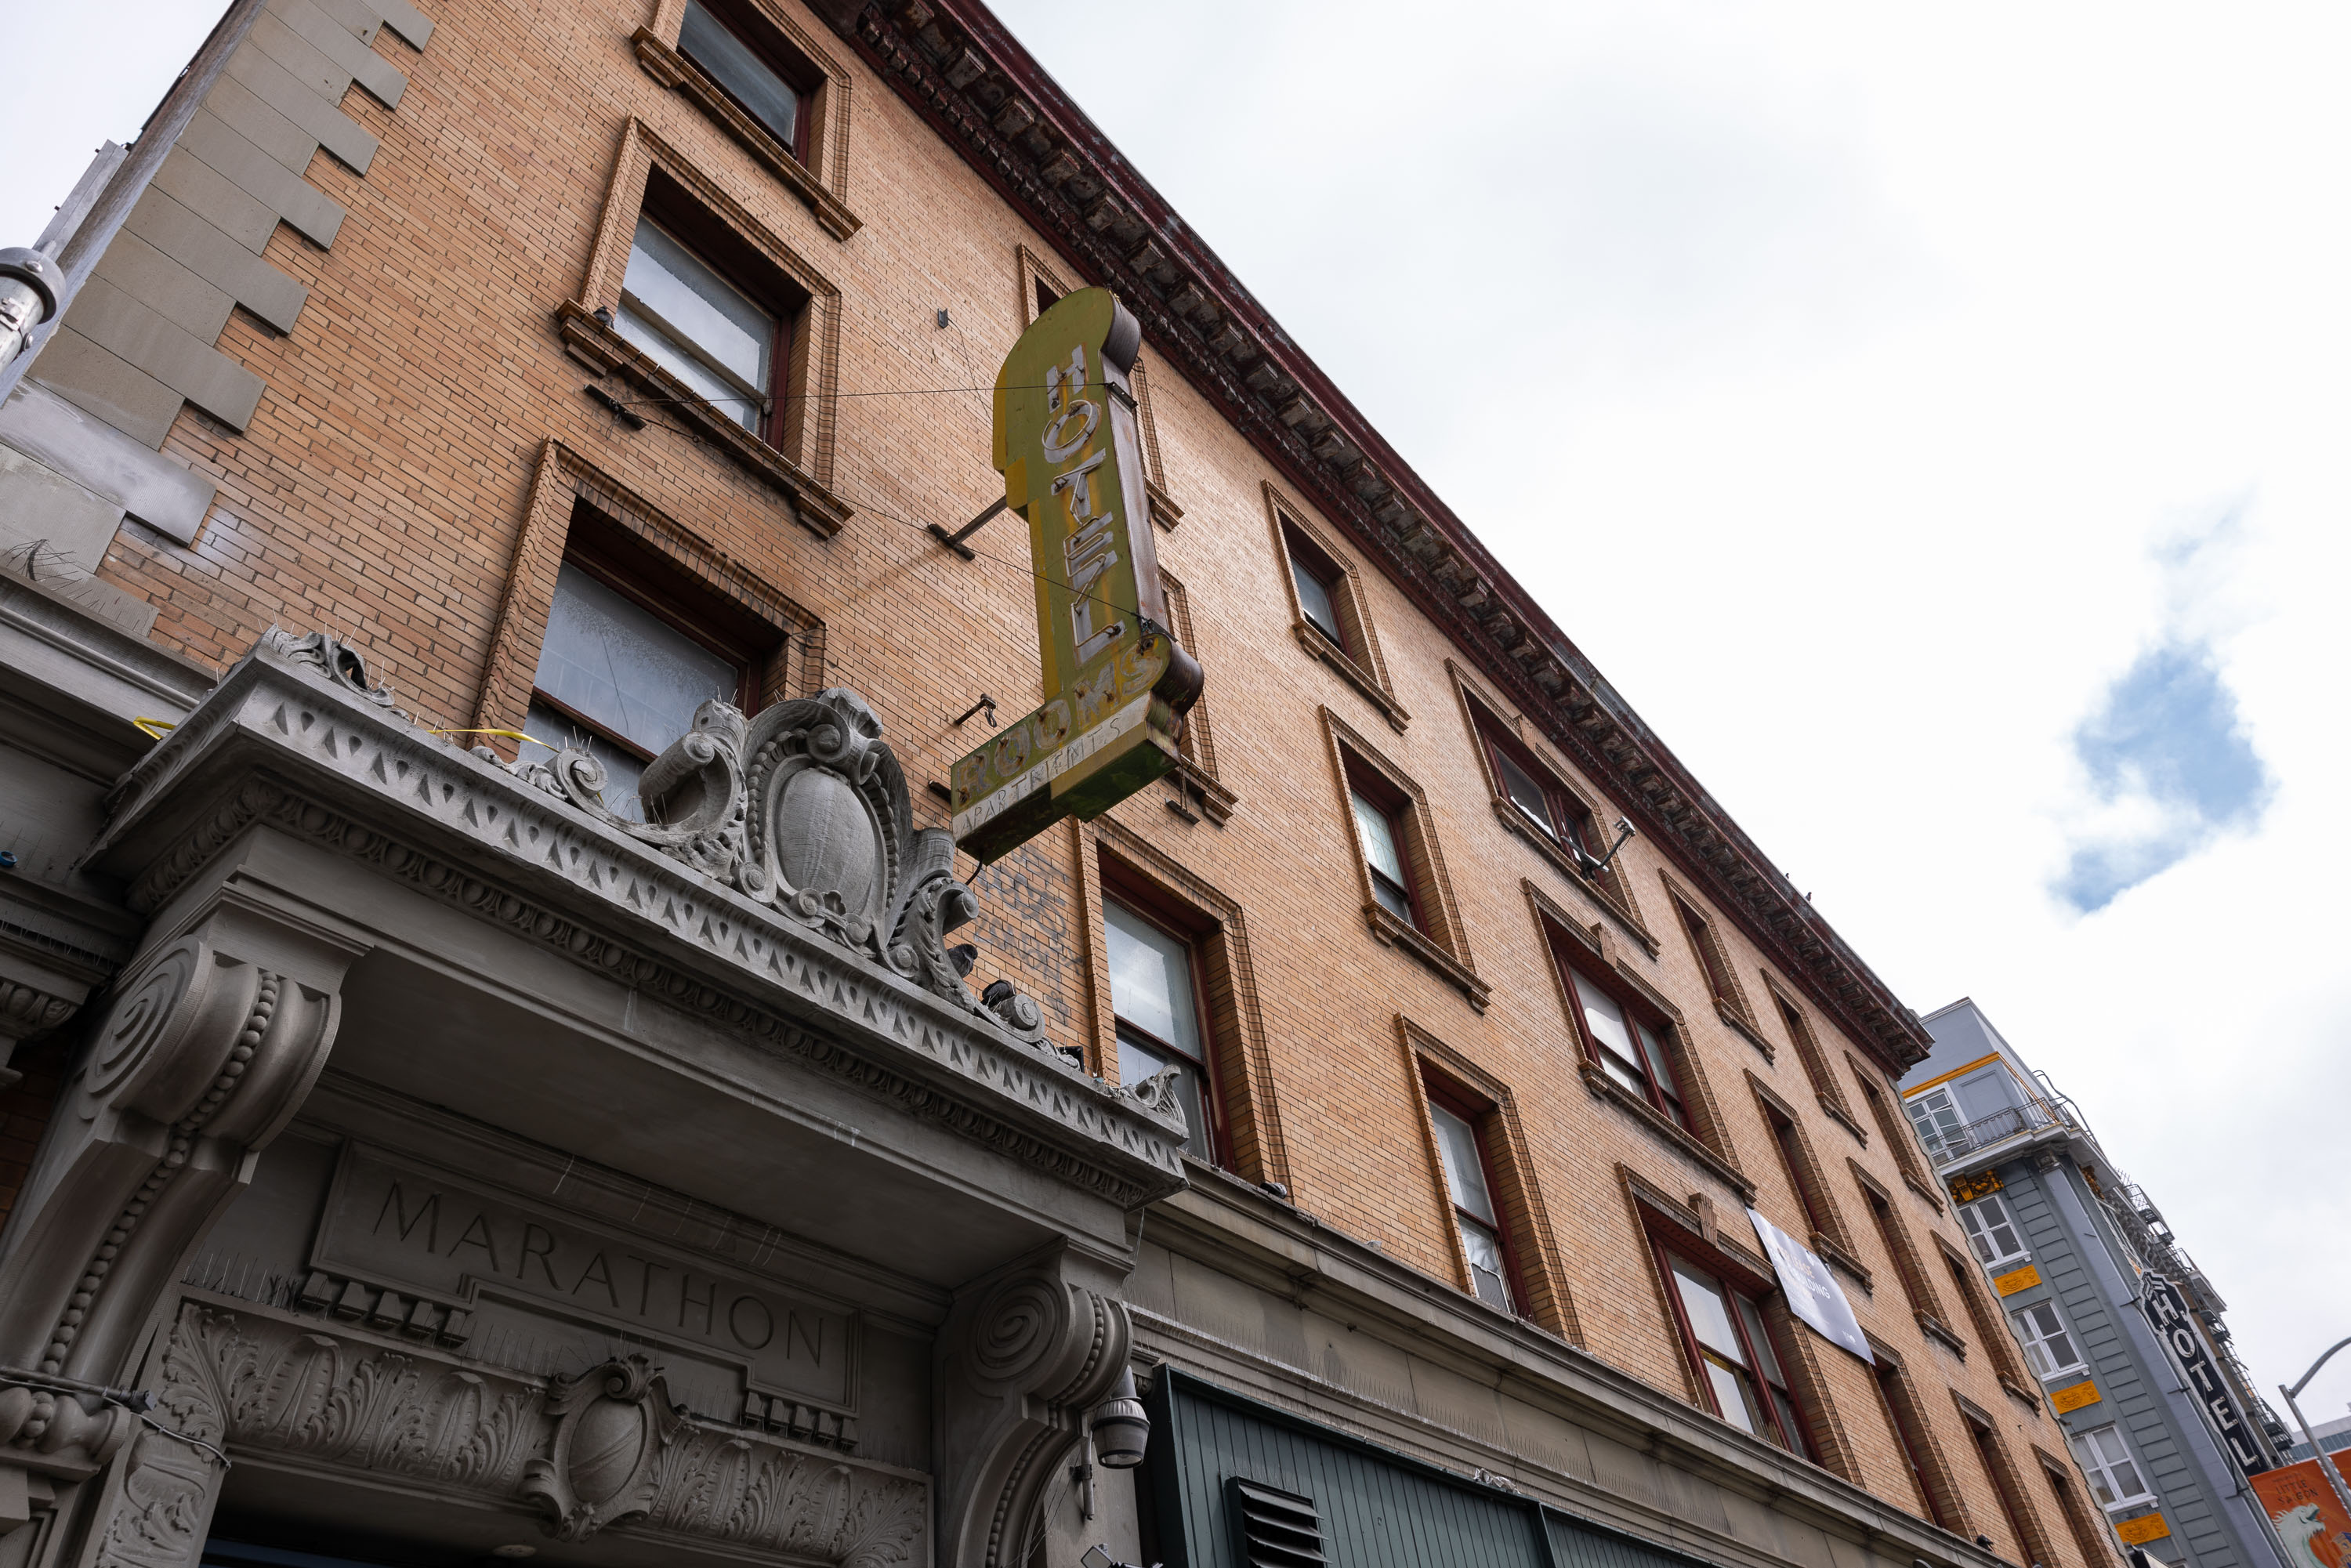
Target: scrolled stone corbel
205, 1057
612, 1424
1023, 1359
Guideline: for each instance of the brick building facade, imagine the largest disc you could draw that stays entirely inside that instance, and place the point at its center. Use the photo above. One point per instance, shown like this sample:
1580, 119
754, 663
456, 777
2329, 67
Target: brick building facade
411, 335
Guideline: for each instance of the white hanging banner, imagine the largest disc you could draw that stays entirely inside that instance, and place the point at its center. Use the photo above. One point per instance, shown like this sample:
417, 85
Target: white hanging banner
1813, 1294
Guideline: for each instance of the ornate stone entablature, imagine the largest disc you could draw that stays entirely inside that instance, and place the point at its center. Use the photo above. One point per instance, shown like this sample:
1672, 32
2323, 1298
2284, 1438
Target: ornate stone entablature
783, 894
601, 1450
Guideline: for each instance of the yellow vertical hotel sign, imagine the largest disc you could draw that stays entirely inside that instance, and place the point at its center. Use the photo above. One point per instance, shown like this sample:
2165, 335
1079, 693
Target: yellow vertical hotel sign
1117, 686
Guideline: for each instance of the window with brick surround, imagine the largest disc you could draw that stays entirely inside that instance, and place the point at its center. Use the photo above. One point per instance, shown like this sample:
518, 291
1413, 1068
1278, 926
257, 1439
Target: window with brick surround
1503, 1243
1991, 1332
1808, 1052
1170, 908
1914, 1440
1895, 1131
1706, 943
768, 82
1796, 1164
1522, 782
1918, 1288
2049, 1347
2031, 1544
1199, 790
1330, 611
705, 311
1725, 1335
1466, 1157
631, 647
1533, 798
755, 66
2090, 1536
1161, 1016
1632, 1045
1407, 898
697, 319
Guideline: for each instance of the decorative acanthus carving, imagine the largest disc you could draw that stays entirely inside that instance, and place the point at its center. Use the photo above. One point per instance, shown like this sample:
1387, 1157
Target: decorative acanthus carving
336, 659
203, 1058
804, 808
603, 1449
1023, 1358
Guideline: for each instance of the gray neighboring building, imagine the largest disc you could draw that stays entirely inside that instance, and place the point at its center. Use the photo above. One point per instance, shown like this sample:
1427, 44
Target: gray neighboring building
2164, 1421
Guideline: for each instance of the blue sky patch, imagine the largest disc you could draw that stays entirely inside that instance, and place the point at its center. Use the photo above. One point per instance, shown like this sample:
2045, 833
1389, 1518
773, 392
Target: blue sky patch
2166, 736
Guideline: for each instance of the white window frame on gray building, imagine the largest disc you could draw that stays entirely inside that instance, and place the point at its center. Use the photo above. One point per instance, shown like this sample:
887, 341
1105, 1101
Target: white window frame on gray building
2038, 1327
2105, 1459
1985, 1220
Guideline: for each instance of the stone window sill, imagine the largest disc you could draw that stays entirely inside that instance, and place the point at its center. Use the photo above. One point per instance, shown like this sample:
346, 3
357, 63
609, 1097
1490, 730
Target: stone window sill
1923, 1190
671, 69
1516, 820
2020, 1394
1934, 1327
1323, 648
1657, 1121
1744, 1029
1200, 791
1842, 1118
607, 353
1826, 1246
1164, 511
1397, 933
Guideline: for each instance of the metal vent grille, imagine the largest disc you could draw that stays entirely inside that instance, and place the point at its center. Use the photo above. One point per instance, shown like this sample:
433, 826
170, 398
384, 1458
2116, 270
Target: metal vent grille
1275, 1528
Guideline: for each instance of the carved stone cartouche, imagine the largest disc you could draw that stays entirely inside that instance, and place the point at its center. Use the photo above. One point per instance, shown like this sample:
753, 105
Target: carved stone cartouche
612, 1423
805, 809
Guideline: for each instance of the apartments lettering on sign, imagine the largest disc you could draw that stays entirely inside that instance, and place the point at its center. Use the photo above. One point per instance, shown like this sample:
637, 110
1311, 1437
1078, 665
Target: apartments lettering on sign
1116, 685
2167, 1309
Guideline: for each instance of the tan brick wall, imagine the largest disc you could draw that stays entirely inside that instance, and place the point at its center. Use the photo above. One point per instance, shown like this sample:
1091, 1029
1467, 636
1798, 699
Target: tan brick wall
380, 489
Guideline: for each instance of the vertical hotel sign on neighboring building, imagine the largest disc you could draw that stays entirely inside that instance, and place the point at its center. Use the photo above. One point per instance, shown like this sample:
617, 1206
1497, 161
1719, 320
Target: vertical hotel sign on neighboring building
2167, 1309
1116, 685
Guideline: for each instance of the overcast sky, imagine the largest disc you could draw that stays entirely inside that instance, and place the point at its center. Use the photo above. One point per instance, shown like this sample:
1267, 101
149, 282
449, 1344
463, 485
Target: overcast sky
1934, 421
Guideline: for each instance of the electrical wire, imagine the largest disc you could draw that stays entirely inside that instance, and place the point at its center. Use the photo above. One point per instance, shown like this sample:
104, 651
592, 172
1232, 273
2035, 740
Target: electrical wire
888, 516
812, 397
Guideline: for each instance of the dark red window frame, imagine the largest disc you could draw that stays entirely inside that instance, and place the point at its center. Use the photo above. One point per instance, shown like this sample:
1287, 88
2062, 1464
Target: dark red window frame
1141, 900
732, 257
775, 53
1675, 1107
1481, 1115
1396, 806
1569, 820
1307, 556
1757, 1294
688, 608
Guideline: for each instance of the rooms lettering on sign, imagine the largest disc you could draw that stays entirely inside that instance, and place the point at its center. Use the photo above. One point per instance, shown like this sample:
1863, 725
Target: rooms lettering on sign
401, 1228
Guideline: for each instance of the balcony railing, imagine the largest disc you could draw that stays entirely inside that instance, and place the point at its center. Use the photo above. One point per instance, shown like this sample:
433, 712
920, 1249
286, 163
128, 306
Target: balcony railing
2016, 1122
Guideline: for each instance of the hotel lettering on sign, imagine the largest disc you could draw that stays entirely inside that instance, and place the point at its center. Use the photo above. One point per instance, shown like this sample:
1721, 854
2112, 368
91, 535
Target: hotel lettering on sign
2168, 1310
1117, 686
